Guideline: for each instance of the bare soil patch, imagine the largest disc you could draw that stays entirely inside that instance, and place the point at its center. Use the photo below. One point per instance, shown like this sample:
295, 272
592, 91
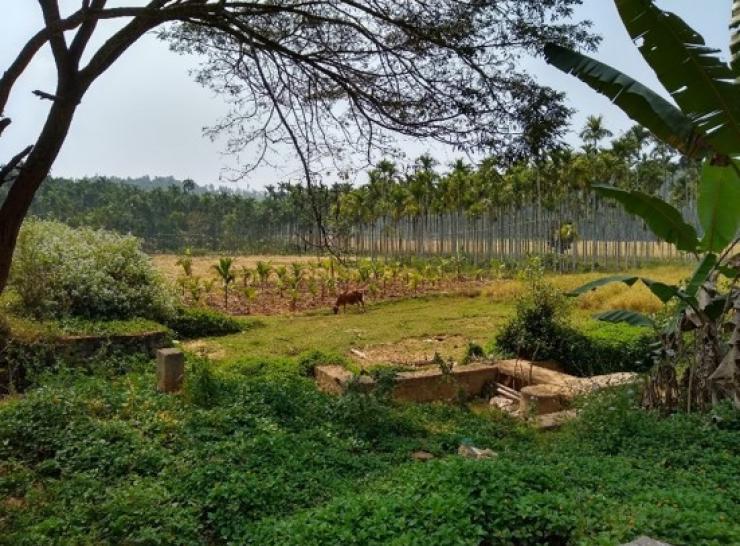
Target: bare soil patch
416, 352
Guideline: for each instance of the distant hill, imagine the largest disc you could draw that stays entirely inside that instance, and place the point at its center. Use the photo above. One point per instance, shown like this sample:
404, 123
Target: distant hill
149, 183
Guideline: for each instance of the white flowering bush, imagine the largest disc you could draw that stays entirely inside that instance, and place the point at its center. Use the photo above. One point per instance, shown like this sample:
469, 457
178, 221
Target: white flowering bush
62, 271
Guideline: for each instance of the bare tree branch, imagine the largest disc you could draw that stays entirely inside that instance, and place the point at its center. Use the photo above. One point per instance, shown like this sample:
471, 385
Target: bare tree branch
43, 95
11, 165
50, 9
85, 32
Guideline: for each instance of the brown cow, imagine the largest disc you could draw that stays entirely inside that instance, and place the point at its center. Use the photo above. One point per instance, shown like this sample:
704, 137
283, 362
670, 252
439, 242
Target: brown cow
352, 297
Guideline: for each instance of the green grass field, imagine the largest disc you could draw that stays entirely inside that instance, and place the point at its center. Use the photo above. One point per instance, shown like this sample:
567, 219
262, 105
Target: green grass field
473, 318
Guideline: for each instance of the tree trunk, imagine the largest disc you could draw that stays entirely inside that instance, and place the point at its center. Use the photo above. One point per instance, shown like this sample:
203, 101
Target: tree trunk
32, 174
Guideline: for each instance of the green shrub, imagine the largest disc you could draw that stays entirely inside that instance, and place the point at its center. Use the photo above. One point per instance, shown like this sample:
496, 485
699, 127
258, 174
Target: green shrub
194, 322
596, 353
540, 330
62, 271
308, 361
473, 352
540, 315
579, 353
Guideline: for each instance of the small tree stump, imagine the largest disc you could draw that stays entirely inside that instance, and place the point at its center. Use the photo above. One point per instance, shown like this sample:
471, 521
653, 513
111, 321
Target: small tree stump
170, 370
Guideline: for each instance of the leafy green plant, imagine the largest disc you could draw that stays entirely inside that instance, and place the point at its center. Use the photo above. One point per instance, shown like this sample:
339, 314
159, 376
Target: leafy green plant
185, 261
263, 272
62, 271
247, 276
250, 295
297, 269
202, 386
225, 272
194, 322
705, 126
294, 295
195, 288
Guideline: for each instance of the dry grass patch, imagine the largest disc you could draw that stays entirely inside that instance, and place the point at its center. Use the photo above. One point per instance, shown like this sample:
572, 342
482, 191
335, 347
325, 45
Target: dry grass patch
613, 296
412, 352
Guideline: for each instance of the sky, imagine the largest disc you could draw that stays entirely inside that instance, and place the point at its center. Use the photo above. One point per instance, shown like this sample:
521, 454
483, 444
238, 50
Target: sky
146, 114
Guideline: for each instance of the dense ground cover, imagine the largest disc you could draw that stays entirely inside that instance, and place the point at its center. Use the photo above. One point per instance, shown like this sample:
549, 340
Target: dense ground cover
253, 454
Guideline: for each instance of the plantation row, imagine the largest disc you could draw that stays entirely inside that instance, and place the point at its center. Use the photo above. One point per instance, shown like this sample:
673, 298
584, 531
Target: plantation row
268, 288
486, 211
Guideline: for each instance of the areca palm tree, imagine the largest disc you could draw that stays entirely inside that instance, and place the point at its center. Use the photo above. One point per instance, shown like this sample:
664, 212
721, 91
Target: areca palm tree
225, 272
594, 132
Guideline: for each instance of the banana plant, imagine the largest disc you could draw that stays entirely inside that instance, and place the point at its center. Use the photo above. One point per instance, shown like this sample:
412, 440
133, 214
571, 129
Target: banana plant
225, 272
703, 122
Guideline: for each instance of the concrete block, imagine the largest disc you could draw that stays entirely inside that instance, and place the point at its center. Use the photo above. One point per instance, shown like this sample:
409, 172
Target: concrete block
170, 370
541, 399
421, 386
645, 541
431, 385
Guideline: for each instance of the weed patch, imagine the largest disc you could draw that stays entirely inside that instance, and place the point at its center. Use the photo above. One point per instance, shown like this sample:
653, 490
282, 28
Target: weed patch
251, 453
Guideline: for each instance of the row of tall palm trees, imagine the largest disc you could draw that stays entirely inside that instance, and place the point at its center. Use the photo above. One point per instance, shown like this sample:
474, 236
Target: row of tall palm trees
443, 209
397, 206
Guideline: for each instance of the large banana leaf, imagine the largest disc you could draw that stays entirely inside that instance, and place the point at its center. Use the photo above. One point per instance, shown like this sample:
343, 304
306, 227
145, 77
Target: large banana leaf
629, 280
629, 317
663, 219
664, 292
719, 205
701, 273
702, 85
639, 102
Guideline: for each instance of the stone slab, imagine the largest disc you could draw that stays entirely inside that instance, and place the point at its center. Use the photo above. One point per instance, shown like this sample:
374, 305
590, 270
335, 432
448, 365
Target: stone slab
332, 379
646, 541
170, 370
552, 421
544, 389
431, 385
542, 399
526, 373
420, 386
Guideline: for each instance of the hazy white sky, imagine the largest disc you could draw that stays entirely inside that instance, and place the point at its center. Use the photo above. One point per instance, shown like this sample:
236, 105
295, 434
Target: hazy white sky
145, 115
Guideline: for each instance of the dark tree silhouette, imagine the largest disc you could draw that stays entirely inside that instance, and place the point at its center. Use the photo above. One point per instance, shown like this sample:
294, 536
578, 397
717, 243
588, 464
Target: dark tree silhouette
317, 74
